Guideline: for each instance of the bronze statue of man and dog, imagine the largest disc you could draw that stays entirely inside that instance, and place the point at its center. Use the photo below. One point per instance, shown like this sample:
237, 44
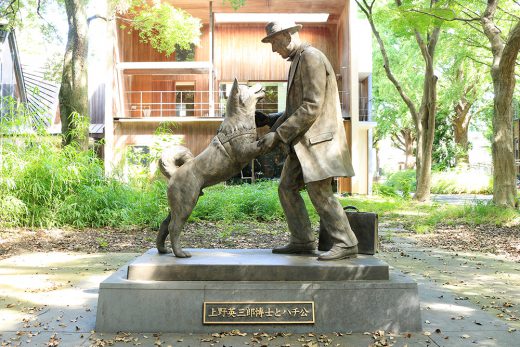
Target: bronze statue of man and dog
312, 133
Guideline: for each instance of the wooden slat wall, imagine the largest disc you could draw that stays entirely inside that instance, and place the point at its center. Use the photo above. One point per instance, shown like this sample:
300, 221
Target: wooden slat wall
132, 50
240, 53
196, 136
345, 183
344, 58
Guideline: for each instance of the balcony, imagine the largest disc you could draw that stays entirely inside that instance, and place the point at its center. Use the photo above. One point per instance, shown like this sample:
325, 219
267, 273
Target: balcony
157, 106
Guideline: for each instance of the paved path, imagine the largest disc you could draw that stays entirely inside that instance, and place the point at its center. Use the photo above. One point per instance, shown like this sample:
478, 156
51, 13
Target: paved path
49, 299
461, 199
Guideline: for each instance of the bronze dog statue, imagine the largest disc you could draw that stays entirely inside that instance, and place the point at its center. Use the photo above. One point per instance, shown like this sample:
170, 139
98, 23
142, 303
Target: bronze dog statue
230, 150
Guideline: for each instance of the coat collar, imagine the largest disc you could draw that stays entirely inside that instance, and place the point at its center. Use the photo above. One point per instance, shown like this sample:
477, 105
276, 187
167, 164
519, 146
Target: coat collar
295, 62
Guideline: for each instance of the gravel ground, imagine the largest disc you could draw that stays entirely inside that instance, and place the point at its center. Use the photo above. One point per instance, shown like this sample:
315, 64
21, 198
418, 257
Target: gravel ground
504, 241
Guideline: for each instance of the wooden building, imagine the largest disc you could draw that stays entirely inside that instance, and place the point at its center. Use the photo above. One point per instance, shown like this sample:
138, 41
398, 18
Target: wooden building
144, 89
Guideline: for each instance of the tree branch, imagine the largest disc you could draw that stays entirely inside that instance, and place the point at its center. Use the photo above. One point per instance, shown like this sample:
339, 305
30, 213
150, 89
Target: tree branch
478, 61
368, 13
510, 52
492, 32
508, 14
97, 16
471, 19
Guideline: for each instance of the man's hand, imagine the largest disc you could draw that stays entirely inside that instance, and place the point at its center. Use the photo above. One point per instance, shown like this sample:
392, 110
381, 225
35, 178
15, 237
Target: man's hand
261, 119
268, 142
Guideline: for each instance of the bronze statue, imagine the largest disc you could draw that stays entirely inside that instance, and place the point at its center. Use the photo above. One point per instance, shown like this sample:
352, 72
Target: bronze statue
311, 129
231, 149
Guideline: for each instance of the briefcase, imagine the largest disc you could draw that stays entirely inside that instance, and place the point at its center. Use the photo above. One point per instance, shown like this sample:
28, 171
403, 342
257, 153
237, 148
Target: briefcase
364, 226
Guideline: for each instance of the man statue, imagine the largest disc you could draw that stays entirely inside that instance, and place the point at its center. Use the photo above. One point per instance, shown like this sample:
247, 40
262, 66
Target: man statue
311, 131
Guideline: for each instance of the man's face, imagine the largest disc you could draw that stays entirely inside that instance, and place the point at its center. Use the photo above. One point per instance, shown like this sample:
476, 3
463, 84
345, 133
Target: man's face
281, 44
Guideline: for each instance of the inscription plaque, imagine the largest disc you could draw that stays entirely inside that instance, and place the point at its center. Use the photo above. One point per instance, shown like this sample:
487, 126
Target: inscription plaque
283, 312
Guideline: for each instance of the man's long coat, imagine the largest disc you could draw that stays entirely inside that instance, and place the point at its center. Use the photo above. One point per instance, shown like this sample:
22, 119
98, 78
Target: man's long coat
312, 123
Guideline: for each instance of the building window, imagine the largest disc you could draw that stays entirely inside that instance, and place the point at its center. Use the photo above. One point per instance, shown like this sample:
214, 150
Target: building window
184, 99
274, 100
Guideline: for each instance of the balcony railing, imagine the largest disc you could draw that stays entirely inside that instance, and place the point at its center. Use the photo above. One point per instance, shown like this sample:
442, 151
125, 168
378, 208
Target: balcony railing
139, 104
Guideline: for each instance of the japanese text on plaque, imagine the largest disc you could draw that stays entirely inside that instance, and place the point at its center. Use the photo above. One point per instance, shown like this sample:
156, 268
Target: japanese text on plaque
291, 312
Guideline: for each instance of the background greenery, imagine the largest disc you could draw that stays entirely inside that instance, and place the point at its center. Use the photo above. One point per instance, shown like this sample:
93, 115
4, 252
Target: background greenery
43, 184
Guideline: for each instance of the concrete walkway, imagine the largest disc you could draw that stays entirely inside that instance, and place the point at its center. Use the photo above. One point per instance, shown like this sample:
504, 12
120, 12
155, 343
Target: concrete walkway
49, 299
461, 199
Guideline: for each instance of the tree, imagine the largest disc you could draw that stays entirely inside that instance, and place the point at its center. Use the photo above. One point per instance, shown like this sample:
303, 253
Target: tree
426, 33
73, 96
500, 24
462, 87
392, 115
505, 52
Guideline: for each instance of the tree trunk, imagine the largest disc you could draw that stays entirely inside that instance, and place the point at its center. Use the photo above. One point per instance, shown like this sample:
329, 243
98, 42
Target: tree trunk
73, 96
503, 75
460, 129
504, 175
409, 140
425, 134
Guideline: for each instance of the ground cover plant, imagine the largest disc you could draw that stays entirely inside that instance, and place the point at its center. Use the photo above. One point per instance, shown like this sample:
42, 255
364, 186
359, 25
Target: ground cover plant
451, 181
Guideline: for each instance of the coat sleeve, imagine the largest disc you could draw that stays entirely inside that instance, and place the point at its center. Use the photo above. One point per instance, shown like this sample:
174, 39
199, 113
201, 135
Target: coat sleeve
313, 77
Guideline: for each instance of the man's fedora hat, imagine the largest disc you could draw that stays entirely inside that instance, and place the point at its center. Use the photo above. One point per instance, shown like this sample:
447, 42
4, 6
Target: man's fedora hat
274, 28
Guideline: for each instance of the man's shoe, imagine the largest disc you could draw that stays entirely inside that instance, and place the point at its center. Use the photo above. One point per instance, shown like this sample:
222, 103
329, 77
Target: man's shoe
337, 253
295, 248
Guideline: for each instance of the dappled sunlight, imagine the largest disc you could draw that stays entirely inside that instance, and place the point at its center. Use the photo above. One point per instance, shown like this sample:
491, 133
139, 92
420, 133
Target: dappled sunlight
32, 283
416, 213
46, 259
9, 318
449, 308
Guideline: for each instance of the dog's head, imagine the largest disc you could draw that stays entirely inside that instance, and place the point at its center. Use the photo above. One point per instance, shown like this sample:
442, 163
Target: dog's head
242, 99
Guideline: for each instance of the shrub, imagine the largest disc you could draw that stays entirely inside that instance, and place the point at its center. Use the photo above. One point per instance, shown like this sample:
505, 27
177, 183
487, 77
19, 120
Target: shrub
401, 183
257, 201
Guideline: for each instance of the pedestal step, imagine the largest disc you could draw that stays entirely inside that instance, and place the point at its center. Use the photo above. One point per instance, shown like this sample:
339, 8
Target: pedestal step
252, 265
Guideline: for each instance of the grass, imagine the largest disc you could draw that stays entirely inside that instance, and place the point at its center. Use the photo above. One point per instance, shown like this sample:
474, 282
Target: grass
454, 181
426, 217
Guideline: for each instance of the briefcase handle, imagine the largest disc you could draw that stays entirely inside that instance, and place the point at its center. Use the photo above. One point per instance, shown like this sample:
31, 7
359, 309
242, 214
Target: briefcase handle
350, 208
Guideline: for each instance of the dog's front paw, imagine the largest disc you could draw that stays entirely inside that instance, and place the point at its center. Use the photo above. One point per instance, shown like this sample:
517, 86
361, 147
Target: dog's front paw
163, 249
179, 253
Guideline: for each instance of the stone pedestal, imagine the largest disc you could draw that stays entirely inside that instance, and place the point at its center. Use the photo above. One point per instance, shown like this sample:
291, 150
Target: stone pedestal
161, 293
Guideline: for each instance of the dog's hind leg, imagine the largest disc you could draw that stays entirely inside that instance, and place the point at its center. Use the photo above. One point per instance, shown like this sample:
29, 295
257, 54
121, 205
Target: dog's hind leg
179, 215
162, 234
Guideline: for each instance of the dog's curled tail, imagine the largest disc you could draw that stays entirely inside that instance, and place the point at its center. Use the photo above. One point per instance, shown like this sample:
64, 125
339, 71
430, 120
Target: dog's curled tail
172, 158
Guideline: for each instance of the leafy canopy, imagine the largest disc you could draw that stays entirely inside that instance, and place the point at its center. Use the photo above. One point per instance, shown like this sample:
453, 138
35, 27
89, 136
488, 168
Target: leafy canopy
162, 26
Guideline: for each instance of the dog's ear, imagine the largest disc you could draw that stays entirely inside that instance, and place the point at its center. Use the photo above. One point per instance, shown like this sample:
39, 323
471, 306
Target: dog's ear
234, 89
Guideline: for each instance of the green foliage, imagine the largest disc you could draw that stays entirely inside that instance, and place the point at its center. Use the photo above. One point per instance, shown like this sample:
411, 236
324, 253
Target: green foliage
423, 218
479, 213
235, 4
239, 202
444, 147
164, 27
457, 181
401, 183
45, 185
460, 181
